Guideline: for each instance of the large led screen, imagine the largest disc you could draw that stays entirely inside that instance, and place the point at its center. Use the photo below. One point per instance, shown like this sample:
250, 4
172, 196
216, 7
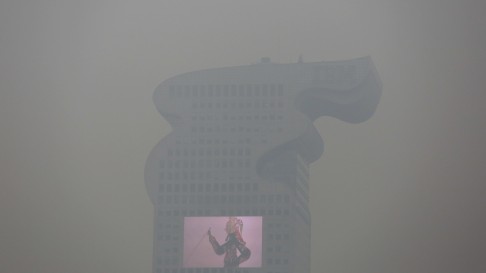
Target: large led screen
223, 241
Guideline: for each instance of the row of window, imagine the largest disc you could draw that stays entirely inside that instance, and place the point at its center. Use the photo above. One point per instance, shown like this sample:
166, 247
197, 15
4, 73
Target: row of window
209, 199
174, 261
209, 141
254, 117
167, 238
277, 261
240, 129
224, 151
234, 105
212, 188
168, 226
276, 249
278, 236
250, 212
203, 163
226, 117
242, 90
205, 176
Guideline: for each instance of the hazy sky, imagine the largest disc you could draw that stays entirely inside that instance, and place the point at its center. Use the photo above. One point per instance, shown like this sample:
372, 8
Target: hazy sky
403, 192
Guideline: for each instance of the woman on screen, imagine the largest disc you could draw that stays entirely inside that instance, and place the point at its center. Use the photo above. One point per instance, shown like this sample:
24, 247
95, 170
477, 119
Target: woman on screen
234, 243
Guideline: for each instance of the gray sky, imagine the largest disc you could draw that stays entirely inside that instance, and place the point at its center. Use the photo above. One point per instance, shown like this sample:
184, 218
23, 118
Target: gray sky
402, 192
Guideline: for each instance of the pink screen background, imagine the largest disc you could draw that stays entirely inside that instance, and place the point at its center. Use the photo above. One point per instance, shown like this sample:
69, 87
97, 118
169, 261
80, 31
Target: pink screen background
198, 252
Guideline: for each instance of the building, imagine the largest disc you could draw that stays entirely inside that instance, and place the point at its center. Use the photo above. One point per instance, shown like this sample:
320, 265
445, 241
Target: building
241, 145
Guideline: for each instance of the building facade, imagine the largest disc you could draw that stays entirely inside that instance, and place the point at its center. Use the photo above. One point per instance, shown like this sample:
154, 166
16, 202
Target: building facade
241, 145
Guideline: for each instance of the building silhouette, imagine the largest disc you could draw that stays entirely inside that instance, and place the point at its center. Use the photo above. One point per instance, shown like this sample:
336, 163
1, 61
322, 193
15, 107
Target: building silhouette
241, 145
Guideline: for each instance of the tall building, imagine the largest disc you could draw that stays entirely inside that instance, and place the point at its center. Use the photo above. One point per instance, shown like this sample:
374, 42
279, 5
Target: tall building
241, 145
